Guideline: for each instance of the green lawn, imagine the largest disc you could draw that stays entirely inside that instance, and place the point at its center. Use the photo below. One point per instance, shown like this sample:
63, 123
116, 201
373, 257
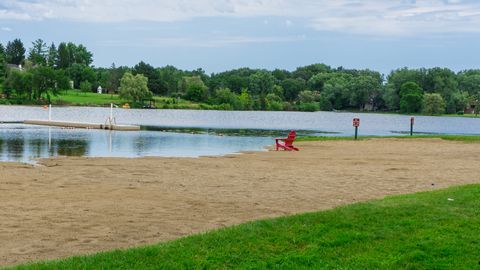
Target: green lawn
431, 230
77, 98
73, 97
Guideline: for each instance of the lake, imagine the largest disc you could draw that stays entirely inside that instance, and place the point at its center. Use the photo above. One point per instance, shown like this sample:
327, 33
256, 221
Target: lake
174, 132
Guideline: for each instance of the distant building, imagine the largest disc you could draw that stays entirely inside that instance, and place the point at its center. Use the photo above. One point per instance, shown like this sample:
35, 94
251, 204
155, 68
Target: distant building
99, 90
471, 107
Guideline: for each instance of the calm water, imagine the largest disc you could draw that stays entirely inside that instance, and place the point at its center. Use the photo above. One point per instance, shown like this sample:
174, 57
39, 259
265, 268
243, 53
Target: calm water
22, 143
341, 123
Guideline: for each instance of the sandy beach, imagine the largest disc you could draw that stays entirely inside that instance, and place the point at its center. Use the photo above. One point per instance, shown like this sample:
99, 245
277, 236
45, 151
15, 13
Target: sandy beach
73, 206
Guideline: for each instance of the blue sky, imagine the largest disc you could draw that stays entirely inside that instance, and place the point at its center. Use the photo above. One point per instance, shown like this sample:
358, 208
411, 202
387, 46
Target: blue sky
218, 35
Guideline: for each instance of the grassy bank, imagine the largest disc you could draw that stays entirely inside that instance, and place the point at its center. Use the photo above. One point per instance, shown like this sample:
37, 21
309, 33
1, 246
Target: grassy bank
432, 230
77, 98
463, 138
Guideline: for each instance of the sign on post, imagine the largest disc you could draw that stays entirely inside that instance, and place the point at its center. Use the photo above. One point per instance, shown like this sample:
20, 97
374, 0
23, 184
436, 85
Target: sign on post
356, 124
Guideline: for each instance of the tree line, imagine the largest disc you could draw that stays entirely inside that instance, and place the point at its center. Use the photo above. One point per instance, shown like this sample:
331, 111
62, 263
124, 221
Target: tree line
48, 69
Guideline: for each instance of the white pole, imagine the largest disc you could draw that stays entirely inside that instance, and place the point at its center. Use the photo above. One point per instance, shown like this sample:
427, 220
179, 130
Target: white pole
50, 112
49, 138
111, 112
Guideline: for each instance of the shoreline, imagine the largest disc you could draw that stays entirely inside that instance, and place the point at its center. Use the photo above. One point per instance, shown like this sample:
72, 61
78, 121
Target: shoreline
74, 206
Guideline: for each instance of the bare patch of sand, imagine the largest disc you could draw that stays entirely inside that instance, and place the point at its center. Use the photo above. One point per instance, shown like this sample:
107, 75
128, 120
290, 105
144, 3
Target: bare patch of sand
71, 206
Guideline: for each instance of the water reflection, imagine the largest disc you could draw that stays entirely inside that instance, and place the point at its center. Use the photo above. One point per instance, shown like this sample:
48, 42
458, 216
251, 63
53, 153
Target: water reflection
24, 143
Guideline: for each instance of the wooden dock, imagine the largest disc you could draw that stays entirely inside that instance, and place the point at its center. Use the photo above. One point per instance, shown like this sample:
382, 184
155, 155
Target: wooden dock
81, 125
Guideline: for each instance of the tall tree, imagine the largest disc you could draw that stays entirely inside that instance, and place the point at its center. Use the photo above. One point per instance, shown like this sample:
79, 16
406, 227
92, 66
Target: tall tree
15, 52
170, 78
79, 73
114, 76
52, 56
82, 56
38, 53
154, 81
411, 95
63, 60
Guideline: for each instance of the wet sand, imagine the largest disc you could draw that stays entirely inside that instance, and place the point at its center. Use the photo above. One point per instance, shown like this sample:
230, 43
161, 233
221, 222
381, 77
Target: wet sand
73, 206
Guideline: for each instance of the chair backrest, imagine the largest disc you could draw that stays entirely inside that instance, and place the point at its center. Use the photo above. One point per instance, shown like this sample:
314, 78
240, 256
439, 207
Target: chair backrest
291, 137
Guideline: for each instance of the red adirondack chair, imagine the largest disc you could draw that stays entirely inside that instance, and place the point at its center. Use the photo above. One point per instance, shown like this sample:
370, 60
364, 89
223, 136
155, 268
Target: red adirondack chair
287, 142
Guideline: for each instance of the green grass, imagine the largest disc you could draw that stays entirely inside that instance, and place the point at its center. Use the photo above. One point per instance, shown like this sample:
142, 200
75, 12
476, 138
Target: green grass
74, 97
77, 98
431, 230
463, 138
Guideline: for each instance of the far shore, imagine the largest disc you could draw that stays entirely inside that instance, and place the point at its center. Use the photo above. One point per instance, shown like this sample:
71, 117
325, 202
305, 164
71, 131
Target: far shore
70, 206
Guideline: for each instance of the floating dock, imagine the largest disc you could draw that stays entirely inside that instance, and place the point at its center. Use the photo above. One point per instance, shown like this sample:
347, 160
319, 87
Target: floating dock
81, 125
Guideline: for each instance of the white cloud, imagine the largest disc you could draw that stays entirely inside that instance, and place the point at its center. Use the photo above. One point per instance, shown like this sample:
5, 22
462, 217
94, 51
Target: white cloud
374, 17
6, 29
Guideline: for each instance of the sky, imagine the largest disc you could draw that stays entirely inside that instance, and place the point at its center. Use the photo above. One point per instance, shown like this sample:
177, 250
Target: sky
219, 35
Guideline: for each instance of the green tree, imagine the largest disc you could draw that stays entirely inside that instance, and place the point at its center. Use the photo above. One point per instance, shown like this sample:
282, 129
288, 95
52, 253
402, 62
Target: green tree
225, 96
292, 87
324, 103
365, 88
52, 56
69, 54
194, 88
38, 53
79, 73
244, 101
307, 72
410, 97
337, 89
134, 88
273, 102
433, 103
63, 60
85, 87
47, 82
169, 77
114, 76
81, 55
396, 79
261, 82
19, 84
154, 81
308, 96
307, 101
444, 82
15, 52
